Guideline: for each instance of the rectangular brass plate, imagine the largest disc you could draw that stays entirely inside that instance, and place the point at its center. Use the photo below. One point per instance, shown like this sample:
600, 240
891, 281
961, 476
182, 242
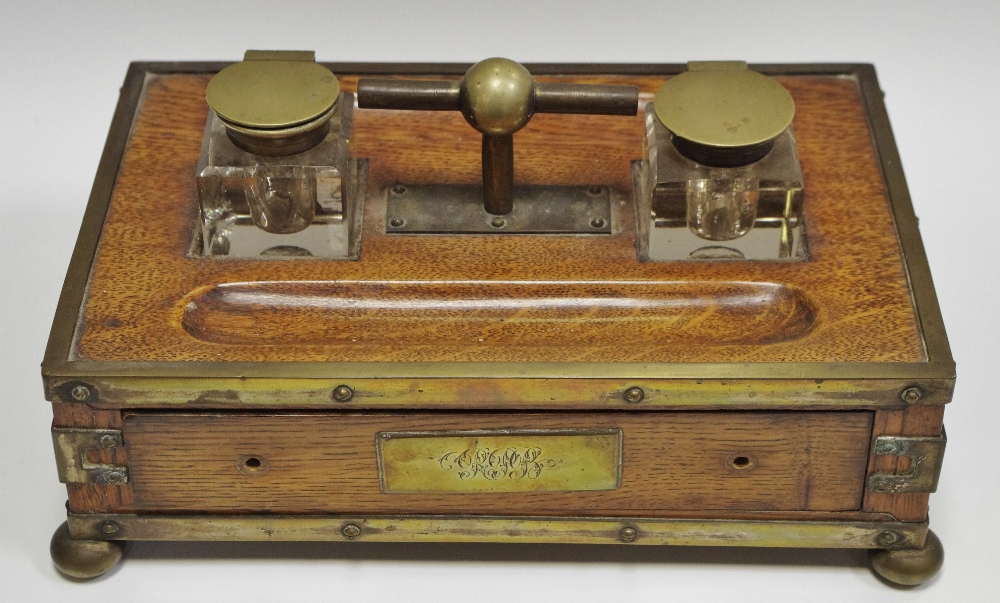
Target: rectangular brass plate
554, 460
458, 209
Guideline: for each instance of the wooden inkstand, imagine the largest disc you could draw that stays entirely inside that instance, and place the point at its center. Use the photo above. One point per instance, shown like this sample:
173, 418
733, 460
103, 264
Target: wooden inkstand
690, 307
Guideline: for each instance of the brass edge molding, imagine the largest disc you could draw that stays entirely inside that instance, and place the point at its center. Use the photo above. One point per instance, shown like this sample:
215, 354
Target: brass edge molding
534, 393
510, 370
918, 272
63, 331
423, 528
520, 393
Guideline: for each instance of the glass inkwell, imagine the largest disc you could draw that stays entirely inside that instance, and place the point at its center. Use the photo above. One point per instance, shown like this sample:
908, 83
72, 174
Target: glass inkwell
722, 180
274, 177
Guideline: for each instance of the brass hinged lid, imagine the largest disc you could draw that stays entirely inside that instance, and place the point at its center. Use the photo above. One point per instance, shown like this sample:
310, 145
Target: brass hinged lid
723, 113
273, 90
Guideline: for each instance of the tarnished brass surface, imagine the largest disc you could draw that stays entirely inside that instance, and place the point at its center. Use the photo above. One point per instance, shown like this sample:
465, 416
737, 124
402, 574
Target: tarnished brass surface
500, 460
722, 113
81, 558
926, 455
73, 447
497, 96
910, 566
275, 103
273, 93
497, 385
416, 528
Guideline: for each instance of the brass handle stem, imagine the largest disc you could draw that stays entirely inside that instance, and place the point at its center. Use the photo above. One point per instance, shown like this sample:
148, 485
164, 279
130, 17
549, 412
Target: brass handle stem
498, 97
498, 174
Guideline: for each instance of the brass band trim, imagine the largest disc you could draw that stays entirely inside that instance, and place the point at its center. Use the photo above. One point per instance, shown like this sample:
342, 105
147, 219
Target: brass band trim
431, 528
521, 393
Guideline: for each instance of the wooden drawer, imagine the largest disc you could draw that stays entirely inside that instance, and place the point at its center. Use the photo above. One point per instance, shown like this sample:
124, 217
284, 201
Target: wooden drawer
669, 462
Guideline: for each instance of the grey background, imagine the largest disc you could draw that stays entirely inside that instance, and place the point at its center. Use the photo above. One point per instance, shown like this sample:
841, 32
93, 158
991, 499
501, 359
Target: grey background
61, 64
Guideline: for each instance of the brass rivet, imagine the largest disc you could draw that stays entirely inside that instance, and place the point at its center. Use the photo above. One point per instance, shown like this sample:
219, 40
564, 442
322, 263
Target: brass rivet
115, 478
634, 394
888, 537
912, 394
397, 222
627, 534
110, 528
595, 190
80, 393
881, 486
350, 531
399, 189
108, 441
597, 223
498, 223
342, 393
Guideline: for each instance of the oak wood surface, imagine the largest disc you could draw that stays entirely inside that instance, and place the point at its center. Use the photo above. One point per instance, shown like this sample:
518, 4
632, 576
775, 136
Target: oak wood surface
853, 293
326, 463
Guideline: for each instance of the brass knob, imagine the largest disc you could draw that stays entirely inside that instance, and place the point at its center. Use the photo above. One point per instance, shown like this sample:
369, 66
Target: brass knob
497, 97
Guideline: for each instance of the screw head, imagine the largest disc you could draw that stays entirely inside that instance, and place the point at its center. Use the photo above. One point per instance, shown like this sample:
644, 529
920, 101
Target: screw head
399, 189
108, 441
114, 478
350, 531
634, 394
628, 534
498, 223
110, 528
912, 394
887, 538
342, 393
81, 393
887, 448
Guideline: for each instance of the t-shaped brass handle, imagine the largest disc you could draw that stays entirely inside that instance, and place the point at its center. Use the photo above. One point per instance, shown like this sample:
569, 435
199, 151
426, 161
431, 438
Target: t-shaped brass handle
497, 97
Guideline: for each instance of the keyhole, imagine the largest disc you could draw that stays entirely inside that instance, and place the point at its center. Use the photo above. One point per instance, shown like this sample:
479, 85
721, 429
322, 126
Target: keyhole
251, 465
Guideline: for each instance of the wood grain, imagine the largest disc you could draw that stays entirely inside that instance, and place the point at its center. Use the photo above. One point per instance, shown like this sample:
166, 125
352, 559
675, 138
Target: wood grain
325, 463
854, 284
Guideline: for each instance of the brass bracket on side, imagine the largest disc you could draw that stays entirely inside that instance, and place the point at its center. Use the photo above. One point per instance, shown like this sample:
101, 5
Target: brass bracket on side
73, 445
926, 455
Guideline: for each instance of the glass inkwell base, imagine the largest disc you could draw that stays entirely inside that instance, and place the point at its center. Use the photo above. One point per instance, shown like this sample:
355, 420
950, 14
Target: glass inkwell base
282, 190
709, 201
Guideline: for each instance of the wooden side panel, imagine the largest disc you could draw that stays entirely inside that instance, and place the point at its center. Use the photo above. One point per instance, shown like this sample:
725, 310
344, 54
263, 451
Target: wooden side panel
325, 463
914, 421
94, 498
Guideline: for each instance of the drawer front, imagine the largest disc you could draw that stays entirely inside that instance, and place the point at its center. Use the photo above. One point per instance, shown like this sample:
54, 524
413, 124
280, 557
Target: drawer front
511, 464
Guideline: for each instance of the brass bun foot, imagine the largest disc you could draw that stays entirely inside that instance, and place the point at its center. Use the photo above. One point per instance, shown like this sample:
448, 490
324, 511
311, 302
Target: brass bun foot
83, 559
909, 567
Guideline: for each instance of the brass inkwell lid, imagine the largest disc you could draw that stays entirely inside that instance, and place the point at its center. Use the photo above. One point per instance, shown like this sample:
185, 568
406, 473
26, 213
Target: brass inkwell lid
275, 102
722, 114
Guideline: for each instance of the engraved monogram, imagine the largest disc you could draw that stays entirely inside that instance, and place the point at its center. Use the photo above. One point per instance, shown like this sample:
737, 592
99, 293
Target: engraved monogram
495, 464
